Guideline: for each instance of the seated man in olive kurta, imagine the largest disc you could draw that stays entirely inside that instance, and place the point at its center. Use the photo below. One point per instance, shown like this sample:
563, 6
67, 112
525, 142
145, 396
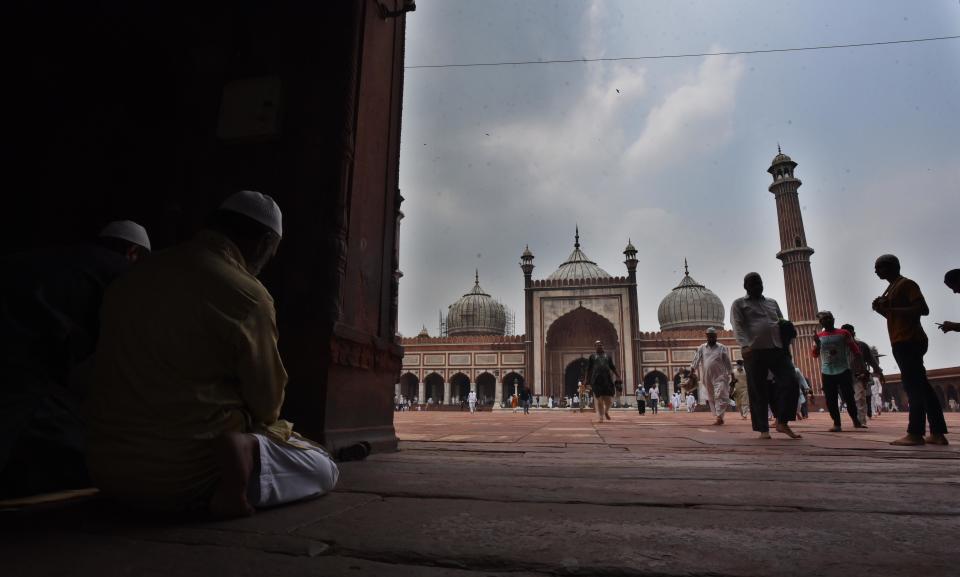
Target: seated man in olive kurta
189, 382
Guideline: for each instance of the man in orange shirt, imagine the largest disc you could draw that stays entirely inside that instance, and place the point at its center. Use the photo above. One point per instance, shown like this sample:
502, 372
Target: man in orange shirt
902, 304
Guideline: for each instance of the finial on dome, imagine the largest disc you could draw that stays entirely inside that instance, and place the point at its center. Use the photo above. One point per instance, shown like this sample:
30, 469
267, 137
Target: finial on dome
686, 269
576, 238
476, 276
778, 149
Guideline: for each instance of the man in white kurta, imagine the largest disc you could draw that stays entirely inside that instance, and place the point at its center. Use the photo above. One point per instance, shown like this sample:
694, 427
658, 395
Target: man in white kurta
877, 396
472, 401
716, 371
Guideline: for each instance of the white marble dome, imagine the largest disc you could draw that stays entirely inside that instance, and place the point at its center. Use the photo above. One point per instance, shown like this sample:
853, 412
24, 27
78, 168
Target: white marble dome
690, 305
476, 313
578, 266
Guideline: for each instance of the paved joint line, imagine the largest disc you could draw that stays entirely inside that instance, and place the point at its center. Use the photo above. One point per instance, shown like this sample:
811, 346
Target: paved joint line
641, 504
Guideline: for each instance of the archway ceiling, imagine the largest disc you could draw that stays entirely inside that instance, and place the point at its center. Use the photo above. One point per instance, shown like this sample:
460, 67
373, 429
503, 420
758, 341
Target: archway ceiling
581, 327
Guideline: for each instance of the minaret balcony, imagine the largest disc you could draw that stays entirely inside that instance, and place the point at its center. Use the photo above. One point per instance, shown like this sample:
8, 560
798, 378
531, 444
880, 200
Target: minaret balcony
795, 254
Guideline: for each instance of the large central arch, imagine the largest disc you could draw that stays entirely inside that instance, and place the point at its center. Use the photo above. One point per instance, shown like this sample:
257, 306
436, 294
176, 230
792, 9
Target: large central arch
573, 336
572, 376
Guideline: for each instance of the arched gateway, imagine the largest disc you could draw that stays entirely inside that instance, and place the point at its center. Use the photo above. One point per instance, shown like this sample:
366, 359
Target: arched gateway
571, 338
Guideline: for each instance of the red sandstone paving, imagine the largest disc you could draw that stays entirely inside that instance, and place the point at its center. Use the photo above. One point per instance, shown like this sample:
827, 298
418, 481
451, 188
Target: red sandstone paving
553, 494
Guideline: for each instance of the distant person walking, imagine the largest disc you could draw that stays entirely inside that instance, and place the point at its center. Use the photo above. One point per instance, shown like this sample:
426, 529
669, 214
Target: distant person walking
472, 401
600, 376
655, 398
526, 397
877, 390
714, 358
835, 348
902, 304
756, 325
641, 399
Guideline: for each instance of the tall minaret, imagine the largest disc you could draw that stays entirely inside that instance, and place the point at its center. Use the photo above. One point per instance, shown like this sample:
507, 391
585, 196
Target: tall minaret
795, 254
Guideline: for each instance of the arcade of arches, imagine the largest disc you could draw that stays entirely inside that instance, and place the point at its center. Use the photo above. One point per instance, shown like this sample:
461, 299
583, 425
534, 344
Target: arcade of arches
434, 388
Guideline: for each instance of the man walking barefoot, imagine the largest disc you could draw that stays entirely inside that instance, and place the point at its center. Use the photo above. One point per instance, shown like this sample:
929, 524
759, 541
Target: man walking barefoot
600, 376
902, 304
756, 325
717, 373
835, 347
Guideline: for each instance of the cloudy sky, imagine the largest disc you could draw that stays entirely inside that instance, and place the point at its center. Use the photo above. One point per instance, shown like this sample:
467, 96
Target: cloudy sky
672, 153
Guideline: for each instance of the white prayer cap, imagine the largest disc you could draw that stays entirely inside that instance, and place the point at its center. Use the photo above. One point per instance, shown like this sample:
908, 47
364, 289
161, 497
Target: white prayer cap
598, 343
711, 331
257, 206
127, 230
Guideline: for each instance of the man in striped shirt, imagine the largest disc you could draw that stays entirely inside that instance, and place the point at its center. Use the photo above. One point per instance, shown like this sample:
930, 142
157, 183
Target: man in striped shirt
836, 350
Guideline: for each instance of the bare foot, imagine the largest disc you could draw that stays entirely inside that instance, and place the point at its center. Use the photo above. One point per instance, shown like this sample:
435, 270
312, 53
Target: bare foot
786, 430
933, 439
237, 456
908, 441
607, 415
834, 429
765, 435
719, 421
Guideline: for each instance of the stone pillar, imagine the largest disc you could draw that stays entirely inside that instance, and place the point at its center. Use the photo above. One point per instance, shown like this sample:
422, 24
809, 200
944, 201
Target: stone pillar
497, 392
473, 387
446, 393
422, 393
396, 389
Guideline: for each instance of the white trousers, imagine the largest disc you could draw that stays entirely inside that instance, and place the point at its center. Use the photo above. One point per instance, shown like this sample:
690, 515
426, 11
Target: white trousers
473, 406
718, 397
289, 474
860, 396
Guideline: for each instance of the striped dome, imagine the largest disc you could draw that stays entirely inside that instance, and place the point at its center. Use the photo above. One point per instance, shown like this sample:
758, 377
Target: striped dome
690, 305
578, 265
476, 313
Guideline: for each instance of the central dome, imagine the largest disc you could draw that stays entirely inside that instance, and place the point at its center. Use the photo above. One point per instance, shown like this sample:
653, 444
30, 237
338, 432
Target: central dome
578, 266
690, 305
476, 313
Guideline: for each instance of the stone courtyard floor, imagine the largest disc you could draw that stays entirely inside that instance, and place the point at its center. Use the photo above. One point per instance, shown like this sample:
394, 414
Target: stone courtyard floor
551, 493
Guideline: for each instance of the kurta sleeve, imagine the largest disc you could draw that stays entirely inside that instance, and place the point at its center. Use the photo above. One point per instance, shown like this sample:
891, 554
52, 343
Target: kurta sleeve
697, 358
739, 329
259, 367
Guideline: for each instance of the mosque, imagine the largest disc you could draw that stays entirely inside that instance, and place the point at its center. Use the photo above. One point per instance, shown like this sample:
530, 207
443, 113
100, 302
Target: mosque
580, 303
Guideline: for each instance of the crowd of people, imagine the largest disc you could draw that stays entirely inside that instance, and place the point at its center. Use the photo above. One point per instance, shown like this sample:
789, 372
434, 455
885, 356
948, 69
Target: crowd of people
174, 403
766, 386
